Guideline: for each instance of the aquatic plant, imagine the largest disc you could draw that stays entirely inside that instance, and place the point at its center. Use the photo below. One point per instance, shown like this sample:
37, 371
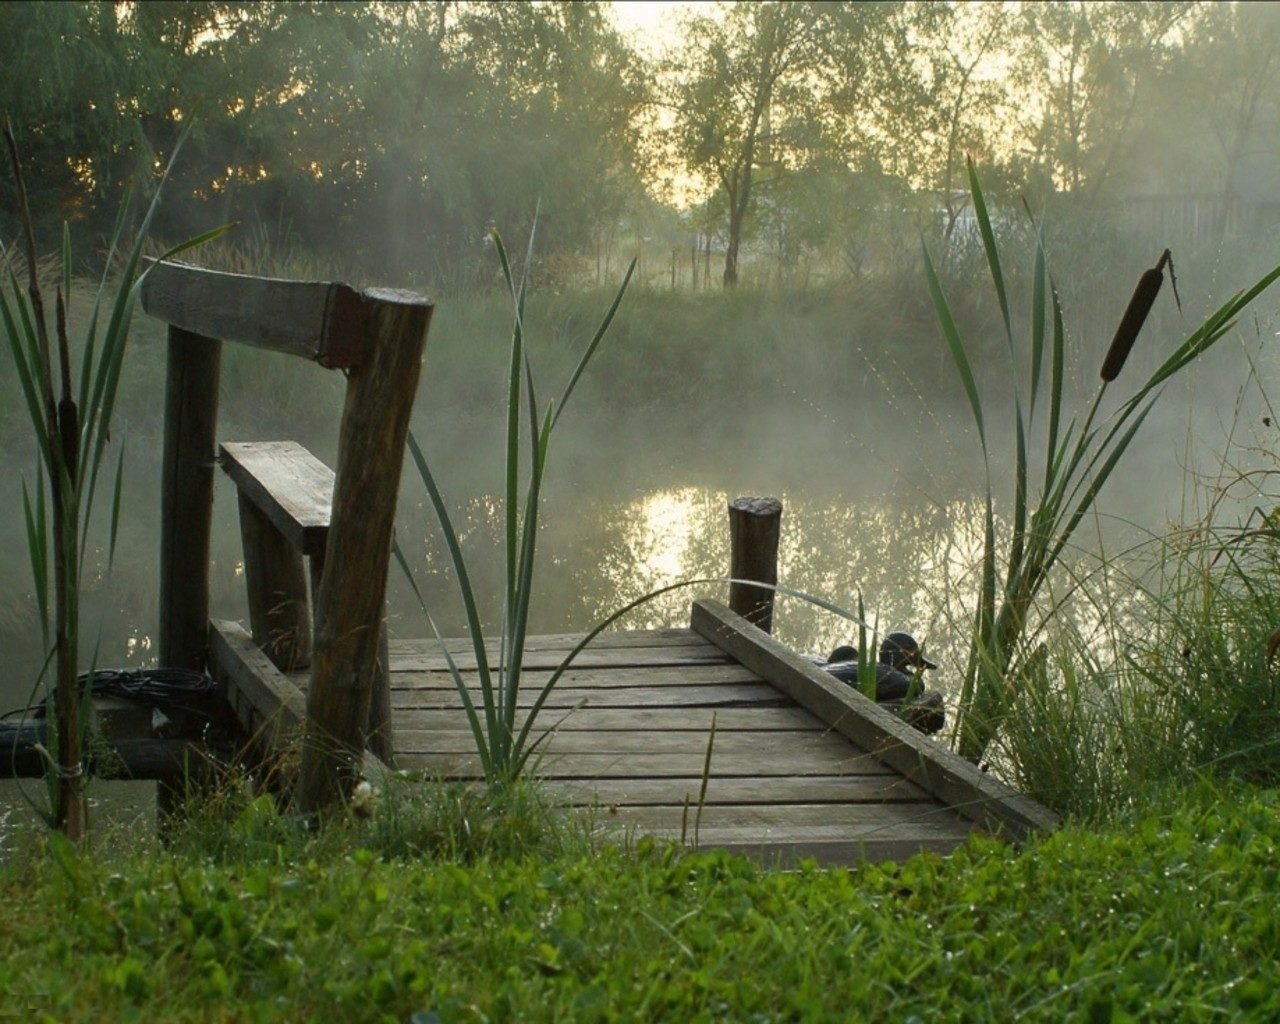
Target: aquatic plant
71, 431
1078, 460
503, 748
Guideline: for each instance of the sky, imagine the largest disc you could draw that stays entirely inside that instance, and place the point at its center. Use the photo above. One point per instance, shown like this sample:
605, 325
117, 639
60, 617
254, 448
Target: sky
652, 24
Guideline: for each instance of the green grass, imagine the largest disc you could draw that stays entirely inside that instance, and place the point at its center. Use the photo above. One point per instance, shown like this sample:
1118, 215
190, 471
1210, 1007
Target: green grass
1164, 916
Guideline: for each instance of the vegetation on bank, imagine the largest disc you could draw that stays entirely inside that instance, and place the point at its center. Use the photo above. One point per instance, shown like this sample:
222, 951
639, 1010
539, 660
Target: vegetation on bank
1164, 915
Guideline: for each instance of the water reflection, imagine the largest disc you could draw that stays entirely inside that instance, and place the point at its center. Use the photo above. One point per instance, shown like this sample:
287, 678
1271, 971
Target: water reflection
913, 562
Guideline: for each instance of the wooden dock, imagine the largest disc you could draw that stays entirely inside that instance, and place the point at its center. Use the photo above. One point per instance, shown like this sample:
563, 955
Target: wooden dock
800, 765
630, 730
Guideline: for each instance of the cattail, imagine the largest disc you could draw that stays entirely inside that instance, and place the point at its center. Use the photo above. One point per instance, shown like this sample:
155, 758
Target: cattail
1134, 317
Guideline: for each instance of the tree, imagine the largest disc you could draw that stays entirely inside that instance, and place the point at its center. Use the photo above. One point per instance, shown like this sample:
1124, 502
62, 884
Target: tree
1090, 66
742, 89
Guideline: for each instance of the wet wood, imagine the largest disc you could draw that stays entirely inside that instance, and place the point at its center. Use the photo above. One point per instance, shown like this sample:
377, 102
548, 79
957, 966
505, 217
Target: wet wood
291, 487
321, 320
279, 610
349, 612
186, 501
755, 525
934, 768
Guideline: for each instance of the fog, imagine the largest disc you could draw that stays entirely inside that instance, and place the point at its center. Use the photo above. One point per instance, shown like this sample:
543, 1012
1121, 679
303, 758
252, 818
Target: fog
778, 337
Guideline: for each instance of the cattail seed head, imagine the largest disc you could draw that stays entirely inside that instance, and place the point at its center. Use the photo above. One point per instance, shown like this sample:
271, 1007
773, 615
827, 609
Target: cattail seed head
1131, 323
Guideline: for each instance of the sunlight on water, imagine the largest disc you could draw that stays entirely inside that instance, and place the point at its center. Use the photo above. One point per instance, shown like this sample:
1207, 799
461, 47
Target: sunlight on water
664, 523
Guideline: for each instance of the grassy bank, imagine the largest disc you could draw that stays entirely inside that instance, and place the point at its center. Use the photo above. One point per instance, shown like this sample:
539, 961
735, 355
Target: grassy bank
1161, 916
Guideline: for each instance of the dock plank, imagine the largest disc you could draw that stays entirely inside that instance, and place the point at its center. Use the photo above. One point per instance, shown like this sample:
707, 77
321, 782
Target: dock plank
639, 765
816, 789
761, 743
601, 719
726, 695
585, 676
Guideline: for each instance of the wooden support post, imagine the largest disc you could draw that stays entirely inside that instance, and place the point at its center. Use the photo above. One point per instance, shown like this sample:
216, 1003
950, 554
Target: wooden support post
349, 612
380, 735
186, 504
754, 527
279, 611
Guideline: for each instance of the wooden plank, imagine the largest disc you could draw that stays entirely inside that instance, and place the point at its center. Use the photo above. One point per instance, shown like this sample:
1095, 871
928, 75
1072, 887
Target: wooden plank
288, 484
937, 770
321, 320
264, 698
349, 609
885, 788
764, 820
640, 766
682, 719
758, 695
593, 678
625, 744
621, 657
826, 847
186, 497
614, 638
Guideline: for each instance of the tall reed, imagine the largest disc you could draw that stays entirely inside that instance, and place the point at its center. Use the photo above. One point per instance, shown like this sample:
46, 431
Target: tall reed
71, 430
503, 748
1079, 457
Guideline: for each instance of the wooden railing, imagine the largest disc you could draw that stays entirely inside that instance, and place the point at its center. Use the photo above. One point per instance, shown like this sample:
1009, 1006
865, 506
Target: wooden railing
377, 337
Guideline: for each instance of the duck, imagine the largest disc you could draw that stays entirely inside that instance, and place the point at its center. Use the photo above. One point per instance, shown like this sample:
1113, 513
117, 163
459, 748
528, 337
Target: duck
899, 659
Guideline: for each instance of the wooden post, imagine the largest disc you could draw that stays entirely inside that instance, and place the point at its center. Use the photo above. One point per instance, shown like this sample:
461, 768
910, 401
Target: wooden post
279, 611
186, 504
380, 734
349, 612
754, 526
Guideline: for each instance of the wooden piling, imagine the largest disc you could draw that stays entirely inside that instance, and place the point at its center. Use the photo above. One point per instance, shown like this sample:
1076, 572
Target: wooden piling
754, 527
191, 413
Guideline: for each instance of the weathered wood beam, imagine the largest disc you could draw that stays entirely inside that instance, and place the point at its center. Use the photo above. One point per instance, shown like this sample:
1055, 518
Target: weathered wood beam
321, 320
270, 707
349, 613
186, 497
939, 771
279, 610
754, 527
288, 484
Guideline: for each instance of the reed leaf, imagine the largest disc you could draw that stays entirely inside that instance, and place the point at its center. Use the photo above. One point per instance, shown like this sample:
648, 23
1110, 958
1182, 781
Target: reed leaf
989, 247
1078, 463
466, 591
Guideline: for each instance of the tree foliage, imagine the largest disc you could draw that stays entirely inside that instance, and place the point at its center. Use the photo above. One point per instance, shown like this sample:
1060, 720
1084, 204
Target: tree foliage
388, 138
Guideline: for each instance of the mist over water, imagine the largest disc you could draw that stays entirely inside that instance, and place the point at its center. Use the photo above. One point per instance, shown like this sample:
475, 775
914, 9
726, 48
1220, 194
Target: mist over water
380, 143
876, 461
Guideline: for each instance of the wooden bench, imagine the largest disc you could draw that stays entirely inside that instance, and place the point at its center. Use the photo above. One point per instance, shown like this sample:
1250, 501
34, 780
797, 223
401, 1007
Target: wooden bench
376, 337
